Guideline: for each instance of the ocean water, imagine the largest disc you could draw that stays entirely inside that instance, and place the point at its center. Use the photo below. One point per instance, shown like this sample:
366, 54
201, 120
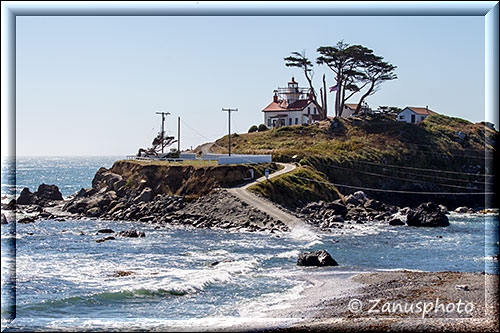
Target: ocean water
66, 281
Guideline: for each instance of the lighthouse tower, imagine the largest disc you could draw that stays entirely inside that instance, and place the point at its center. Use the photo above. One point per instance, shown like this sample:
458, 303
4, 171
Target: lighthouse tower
292, 92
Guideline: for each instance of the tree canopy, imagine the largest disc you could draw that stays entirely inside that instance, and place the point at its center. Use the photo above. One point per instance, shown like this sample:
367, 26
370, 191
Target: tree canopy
356, 70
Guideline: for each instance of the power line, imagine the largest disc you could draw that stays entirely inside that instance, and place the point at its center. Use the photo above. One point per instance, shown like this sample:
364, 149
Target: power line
399, 178
434, 146
420, 175
425, 169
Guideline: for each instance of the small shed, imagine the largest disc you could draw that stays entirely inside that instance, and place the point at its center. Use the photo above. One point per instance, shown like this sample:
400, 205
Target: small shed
412, 114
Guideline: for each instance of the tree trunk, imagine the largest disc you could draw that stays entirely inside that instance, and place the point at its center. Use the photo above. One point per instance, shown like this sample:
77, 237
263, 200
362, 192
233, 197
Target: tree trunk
315, 98
338, 111
325, 109
363, 97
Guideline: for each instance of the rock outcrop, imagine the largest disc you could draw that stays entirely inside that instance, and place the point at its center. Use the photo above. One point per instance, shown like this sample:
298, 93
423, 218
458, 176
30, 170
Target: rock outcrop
427, 215
316, 258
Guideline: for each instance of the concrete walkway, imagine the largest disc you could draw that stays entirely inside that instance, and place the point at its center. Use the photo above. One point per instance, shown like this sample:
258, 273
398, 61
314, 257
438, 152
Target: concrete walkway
264, 205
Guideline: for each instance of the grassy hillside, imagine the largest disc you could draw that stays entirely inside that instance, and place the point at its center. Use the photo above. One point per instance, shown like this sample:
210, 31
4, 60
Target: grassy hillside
357, 152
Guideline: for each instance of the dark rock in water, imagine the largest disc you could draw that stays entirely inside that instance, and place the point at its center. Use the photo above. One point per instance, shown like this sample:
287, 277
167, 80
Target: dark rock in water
427, 215
444, 209
439, 236
122, 273
11, 205
215, 263
396, 221
461, 210
26, 197
101, 240
28, 219
105, 231
131, 233
4, 219
316, 258
48, 192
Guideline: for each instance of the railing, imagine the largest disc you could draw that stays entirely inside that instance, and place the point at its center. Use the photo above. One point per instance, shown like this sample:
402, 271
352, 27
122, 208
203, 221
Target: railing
170, 161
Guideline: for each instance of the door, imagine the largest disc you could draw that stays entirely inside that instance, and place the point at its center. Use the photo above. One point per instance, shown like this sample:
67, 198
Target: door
413, 119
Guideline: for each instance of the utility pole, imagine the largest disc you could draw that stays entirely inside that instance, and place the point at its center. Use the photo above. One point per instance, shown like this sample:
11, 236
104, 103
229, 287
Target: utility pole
179, 134
163, 115
229, 116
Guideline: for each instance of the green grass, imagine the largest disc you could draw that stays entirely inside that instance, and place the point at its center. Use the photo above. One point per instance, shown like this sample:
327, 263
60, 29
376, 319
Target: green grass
302, 185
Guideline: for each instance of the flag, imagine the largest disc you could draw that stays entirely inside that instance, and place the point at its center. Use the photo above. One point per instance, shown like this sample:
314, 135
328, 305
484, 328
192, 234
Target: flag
333, 88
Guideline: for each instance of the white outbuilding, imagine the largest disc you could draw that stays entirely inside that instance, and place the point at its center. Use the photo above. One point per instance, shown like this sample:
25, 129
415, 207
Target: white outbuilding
412, 115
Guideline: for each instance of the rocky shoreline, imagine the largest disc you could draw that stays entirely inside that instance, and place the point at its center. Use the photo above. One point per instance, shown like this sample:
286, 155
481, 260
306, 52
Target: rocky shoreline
109, 199
378, 294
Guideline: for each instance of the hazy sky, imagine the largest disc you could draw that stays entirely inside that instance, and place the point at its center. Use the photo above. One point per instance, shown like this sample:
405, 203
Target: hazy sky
92, 85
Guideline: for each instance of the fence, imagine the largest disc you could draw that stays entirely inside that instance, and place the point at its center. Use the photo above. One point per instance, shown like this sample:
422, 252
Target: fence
170, 161
237, 158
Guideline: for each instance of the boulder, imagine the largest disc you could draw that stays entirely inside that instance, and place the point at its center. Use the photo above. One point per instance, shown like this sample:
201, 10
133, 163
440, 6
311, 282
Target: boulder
145, 196
85, 192
131, 233
316, 258
107, 180
11, 205
444, 209
461, 210
396, 221
427, 215
4, 219
26, 197
28, 219
373, 204
101, 240
338, 207
93, 212
48, 192
105, 231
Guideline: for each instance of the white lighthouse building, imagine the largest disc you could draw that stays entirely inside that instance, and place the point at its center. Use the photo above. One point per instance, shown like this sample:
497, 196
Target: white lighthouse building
291, 106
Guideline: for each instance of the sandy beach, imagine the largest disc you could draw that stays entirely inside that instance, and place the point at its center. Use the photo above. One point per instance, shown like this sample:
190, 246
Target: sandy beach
400, 301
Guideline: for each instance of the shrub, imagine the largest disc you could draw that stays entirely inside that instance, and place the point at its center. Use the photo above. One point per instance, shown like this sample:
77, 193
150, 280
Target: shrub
252, 129
262, 128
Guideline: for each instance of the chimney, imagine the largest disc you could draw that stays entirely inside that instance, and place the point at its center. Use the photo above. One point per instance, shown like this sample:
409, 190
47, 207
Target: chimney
275, 97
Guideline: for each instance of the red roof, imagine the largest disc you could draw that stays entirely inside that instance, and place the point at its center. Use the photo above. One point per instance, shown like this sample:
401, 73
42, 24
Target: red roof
283, 106
351, 106
418, 110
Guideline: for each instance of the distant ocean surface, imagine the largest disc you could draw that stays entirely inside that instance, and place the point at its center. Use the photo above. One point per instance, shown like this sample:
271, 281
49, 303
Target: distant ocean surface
65, 280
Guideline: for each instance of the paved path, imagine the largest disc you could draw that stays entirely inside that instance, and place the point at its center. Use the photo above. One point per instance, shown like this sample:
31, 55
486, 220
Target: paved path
265, 205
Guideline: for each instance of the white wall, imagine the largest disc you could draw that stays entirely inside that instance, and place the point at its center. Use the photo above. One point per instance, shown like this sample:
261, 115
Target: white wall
406, 113
237, 158
302, 116
241, 159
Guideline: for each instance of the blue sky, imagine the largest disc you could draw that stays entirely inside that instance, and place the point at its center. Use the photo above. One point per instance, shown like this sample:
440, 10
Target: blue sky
92, 85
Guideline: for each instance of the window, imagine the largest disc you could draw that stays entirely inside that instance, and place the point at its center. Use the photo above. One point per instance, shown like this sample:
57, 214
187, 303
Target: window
308, 110
314, 110
269, 122
402, 117
296, 121
289, 121
423, 117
